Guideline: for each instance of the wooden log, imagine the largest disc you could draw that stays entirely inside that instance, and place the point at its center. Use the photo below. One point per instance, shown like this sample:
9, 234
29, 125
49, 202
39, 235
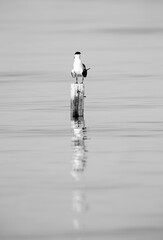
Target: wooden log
77, 100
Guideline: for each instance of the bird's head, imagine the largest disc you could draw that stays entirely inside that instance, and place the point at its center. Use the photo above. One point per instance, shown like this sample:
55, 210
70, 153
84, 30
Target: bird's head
77, 55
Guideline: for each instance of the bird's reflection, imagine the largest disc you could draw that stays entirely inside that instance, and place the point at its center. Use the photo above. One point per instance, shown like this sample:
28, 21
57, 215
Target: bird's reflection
79, 159
79, 148
80, 207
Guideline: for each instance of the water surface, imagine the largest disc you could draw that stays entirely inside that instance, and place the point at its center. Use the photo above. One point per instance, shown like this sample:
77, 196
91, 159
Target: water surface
100, 177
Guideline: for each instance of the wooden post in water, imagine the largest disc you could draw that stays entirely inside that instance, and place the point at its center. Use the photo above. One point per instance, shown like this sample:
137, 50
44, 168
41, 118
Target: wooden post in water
77, 100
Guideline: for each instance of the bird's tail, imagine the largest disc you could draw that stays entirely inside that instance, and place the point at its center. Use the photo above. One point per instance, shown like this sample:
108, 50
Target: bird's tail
88, 69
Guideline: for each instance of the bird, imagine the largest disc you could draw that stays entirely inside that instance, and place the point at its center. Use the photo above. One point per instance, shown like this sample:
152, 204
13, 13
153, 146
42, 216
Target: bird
79, 69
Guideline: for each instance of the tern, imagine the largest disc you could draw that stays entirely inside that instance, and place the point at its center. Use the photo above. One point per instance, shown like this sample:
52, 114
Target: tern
79, 69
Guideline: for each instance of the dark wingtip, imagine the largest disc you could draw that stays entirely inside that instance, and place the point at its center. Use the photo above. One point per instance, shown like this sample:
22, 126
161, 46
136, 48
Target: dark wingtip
77, 53
84, 73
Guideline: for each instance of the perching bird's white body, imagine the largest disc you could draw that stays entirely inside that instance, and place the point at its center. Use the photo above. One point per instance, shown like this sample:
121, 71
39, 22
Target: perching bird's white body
79, 69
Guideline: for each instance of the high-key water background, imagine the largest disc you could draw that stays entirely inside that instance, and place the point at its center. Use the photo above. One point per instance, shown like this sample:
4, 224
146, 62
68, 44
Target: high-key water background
57, 180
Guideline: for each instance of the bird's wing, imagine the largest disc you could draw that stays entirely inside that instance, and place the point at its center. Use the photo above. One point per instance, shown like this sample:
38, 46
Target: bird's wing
84, 67
84, 73
73, 74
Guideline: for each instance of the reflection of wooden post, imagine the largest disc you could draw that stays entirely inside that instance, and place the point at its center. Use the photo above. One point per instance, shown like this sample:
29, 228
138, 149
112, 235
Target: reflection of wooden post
77, 100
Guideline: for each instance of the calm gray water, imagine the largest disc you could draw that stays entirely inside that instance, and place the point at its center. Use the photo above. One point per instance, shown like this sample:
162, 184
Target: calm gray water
102, 177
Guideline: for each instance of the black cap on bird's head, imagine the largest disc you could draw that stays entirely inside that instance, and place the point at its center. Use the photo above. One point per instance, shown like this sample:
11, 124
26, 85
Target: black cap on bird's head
77, 53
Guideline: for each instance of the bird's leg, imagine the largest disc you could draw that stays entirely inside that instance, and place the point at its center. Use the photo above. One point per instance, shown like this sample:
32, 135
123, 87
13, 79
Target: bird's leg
76, 80
82, 80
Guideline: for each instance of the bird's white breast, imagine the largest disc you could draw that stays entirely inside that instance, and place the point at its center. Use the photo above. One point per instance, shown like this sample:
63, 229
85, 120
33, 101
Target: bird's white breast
78, 66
